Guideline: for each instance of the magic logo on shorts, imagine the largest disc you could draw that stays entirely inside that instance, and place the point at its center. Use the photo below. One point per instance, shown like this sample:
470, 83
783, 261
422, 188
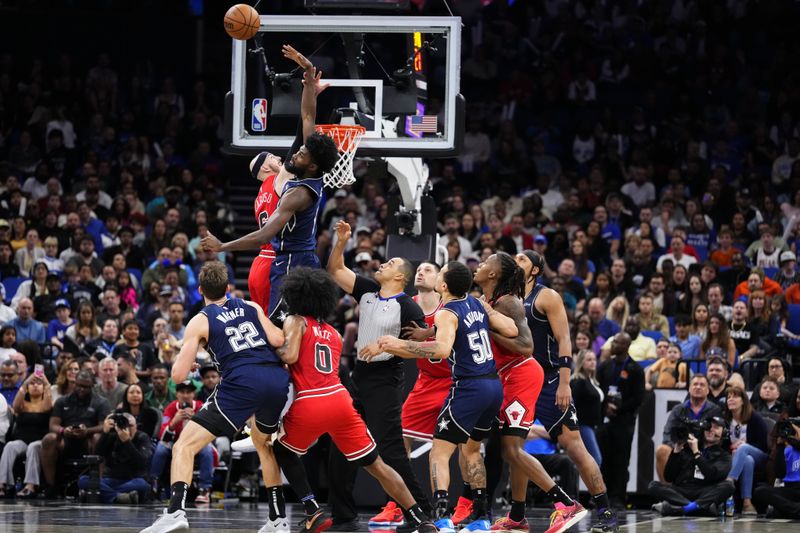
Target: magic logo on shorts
259, 122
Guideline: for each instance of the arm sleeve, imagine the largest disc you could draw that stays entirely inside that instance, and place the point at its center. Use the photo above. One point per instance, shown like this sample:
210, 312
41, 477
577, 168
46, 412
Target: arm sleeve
364, 285
715, 469
411, 312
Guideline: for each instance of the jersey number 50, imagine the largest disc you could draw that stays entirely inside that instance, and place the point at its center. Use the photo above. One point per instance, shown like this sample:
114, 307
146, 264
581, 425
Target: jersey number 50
244, 336
480, 345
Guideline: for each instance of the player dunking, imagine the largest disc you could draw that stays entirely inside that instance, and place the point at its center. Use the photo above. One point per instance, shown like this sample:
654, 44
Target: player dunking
267, 169
323, 405
462, 334
292, 227
239, 338
552, 348
503, 286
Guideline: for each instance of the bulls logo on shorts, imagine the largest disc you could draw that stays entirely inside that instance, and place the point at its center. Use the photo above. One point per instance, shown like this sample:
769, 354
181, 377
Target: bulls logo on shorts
515, 413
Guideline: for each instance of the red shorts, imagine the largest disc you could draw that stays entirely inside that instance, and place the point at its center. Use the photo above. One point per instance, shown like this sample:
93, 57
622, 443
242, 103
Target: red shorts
329, 410
258, 279
522, 384
423, 405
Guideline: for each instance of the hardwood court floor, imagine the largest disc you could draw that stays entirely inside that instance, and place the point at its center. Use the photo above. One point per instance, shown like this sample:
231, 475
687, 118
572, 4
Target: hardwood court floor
61, 517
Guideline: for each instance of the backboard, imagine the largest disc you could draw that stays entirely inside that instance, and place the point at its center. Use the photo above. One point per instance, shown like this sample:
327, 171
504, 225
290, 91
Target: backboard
398, 76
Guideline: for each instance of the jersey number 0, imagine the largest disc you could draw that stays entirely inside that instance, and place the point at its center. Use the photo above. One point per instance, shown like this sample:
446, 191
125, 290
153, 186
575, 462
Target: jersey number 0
244, 336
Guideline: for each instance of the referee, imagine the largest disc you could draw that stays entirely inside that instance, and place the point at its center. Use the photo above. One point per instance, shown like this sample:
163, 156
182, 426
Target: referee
378, 385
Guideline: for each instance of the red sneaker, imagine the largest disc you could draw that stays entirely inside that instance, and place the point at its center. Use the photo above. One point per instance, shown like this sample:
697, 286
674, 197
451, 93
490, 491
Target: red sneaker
463, 510
390, 515
564, 517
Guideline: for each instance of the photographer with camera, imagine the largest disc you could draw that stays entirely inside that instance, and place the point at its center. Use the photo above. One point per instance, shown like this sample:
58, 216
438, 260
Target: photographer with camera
176, 414
785, 500
695, 471
126, 453
698, 407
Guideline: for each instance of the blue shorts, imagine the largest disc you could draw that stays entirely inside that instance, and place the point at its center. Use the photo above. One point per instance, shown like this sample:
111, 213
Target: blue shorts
548, 413
250, 389
469, 410
282, 265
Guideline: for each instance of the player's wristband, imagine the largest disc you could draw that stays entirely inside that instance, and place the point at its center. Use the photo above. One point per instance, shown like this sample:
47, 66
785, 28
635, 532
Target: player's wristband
565, 362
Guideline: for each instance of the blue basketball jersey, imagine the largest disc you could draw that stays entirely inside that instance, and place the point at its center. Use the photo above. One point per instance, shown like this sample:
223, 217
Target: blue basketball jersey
300, 232
545, 346
235, 336
472, 350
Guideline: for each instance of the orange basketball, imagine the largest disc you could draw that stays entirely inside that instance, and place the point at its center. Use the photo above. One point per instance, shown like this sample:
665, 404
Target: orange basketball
241, 22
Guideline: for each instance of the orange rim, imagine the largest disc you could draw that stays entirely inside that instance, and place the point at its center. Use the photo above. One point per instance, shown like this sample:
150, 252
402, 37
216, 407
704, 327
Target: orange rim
344, 135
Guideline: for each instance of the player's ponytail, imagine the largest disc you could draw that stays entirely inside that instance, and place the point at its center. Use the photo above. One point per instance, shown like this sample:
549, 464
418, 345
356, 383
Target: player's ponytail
511, 280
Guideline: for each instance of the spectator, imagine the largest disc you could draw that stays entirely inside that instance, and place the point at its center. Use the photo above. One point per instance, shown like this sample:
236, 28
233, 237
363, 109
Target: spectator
65, 381
748, 444
160, 395
784, 501
700, 321
649, 319
788, 274
618, 311
27, 256
134, 256
84, 331
108, 388
8, 341
757, 280
50, 257
210, 376
175, 327
662, 302
744, 333
126, 369
148, 419
44, 305
583, 324
175, 415
111, 308
604, 327
86, 255
142, 354
8, 268
696, 407
75, 421
766, 398
32, 408
22, 366
715, 302
686, 492
642, 348
57, 328
622, 382
25, 325
718, 337
31, 288
162, 309
666, 373
689, 343
104, 345
717, 371
588, 398
776, 369
676, 254
126, 452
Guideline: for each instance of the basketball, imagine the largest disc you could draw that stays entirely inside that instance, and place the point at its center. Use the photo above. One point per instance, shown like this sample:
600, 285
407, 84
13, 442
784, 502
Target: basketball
241, 22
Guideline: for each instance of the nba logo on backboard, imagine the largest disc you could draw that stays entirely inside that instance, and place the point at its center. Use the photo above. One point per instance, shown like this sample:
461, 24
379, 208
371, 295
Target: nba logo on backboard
259, 114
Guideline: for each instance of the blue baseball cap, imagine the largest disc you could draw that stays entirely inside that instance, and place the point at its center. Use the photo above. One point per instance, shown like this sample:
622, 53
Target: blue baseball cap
62, 302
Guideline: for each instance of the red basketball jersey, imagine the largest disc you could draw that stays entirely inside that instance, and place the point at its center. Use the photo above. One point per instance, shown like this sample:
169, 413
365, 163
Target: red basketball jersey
317, 367
503, 357
265, 204
435, 368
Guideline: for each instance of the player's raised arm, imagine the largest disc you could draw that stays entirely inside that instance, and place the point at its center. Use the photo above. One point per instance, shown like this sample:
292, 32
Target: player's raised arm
446, 325
343, 276
196, 333
295, 200
294, 327
513, 309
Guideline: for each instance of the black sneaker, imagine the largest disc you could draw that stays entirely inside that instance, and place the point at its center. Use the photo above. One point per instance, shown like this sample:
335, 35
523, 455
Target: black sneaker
606, 523
316, 523
427, 527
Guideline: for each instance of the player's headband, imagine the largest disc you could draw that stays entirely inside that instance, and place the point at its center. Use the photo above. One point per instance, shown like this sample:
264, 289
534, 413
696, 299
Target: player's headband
535, 258
260, 158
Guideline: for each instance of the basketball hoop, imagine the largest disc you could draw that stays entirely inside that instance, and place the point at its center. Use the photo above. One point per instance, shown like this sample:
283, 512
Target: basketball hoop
347, 138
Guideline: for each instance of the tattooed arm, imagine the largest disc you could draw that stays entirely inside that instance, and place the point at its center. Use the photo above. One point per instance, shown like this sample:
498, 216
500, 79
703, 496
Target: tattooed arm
446, 326
512, 308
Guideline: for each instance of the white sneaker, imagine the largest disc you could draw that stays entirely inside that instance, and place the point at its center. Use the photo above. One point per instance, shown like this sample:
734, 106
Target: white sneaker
168, 522
243, 446
279, 525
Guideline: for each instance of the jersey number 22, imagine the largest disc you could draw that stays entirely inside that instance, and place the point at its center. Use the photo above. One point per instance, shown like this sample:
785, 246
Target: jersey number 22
244, 336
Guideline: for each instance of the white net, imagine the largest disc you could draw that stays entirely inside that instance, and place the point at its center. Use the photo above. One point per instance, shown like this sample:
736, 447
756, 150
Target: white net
347, 138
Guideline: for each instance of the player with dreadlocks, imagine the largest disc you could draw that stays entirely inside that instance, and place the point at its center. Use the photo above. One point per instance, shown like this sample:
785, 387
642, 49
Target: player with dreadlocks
503, 286
552, 348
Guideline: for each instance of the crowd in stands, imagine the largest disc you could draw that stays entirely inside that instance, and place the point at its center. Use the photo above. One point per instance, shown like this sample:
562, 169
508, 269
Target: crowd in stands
649, 150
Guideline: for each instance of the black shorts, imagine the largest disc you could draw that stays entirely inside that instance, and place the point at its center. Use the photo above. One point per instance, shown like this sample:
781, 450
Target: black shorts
548, 413
469, 410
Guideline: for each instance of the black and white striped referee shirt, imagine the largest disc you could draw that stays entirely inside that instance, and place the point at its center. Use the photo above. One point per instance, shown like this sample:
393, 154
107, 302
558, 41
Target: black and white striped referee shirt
382, 316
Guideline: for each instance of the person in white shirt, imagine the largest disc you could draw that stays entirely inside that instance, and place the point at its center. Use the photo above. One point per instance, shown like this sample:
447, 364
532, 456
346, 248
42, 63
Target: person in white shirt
677, 256
28, 255
451, 226
50, 257
641, 191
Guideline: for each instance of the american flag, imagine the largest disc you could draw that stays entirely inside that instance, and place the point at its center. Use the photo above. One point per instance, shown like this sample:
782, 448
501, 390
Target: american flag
423, 124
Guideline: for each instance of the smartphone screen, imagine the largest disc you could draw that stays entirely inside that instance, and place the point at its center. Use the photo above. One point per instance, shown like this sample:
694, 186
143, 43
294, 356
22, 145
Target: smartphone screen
38, 370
